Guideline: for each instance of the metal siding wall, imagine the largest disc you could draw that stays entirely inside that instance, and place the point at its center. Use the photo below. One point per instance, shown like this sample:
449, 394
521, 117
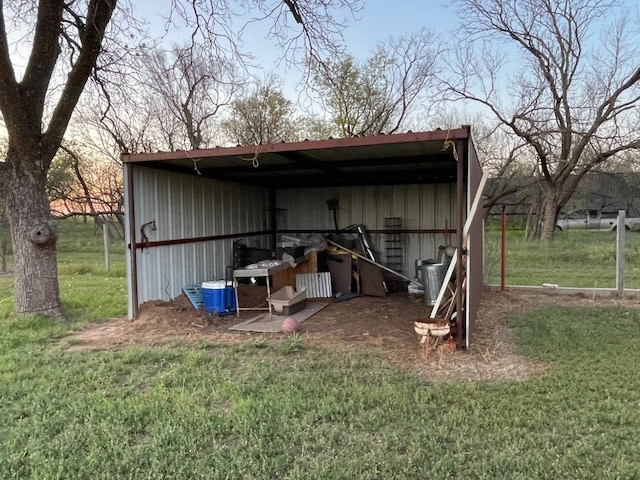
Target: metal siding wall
414, 245
307, 208
372, 198
435, 212
185, 206
425, 206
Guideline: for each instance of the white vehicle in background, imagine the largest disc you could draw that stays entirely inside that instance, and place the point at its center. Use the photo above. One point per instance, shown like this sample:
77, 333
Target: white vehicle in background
595, 220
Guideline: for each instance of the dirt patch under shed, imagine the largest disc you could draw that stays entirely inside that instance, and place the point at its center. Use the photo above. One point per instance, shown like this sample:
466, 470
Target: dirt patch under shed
384, 324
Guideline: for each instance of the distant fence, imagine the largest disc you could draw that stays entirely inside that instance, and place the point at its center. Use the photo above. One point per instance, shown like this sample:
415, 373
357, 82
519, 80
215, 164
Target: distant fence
593, 260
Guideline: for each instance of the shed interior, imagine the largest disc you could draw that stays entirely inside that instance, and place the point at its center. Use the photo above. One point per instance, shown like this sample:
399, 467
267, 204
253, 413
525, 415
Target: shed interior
188, 211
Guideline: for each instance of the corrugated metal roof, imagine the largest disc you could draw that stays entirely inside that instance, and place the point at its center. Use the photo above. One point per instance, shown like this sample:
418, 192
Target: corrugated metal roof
405, 158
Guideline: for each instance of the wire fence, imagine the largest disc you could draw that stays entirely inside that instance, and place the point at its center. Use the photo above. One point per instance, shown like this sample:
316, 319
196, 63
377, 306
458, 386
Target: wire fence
573, 259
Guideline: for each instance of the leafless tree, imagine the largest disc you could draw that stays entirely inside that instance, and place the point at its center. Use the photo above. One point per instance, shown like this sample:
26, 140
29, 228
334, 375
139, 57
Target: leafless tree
68, 42
162, 100
508, 164
132, 120
122, 122
379, 94
82, 185
190, 88
571, 96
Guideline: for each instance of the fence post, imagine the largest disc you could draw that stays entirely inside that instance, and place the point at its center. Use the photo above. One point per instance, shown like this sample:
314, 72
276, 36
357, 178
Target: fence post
105, 241
620, 252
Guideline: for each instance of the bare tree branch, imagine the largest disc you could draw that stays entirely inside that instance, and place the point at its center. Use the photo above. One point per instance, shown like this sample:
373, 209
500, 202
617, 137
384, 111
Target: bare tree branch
573, 101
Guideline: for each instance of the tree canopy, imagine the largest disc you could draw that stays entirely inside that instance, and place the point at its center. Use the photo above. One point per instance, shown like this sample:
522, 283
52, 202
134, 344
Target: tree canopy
263, 116
381, 93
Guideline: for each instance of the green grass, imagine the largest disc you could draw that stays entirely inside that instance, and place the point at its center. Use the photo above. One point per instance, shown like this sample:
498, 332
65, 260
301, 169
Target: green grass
572, 259
264, 411
282, 409
88, 291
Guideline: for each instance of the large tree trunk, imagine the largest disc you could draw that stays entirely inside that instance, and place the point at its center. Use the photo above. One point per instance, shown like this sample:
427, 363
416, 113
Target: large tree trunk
550, 213
34, 238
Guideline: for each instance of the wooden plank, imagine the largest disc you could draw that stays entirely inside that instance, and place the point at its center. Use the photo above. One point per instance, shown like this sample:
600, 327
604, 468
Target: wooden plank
474, 207
341, 271
309, 264
371, 280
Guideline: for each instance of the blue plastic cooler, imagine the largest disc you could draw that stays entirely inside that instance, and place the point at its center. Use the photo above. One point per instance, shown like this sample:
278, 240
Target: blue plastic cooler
218, 297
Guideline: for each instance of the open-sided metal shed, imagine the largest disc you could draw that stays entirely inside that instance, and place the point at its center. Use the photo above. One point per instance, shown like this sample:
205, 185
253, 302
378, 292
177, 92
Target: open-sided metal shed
185, 209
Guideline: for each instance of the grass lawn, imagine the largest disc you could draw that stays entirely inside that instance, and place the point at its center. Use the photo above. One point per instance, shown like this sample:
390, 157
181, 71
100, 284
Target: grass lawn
269, 410
573, 258
266, 411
